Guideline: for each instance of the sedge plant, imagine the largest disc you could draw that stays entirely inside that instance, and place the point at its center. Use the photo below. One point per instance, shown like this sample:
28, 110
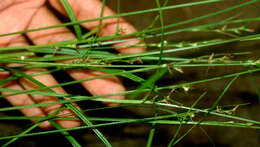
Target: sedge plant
92, 52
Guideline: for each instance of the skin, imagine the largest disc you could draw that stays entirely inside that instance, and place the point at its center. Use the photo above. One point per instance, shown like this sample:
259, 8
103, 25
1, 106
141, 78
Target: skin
18, 15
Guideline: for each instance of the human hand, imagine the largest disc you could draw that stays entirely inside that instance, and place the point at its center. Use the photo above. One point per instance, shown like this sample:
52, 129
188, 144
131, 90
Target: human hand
18, 15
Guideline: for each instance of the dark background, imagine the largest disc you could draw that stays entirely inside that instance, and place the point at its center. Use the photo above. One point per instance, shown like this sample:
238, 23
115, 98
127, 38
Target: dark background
136, 134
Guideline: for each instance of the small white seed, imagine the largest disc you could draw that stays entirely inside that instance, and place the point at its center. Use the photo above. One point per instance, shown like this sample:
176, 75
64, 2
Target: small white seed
22, 57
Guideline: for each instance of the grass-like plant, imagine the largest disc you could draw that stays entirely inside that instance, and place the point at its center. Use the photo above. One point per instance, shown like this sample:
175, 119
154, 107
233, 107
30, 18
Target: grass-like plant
92, 52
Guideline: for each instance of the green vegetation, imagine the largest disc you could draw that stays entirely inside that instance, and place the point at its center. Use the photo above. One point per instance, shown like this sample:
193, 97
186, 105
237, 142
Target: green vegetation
92, 52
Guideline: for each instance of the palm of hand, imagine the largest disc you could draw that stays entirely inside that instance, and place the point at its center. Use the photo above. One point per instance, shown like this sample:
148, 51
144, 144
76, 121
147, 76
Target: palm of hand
18, 15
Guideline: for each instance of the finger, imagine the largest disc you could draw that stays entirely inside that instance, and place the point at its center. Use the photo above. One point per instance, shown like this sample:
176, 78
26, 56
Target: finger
22, 99
100, 86
11, 13
47, 80
5, 4
95, 87
90, 9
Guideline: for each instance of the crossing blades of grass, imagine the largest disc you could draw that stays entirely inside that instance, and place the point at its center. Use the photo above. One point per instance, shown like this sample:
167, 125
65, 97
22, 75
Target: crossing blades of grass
92, 52
183, 119
73, 18
70, 106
